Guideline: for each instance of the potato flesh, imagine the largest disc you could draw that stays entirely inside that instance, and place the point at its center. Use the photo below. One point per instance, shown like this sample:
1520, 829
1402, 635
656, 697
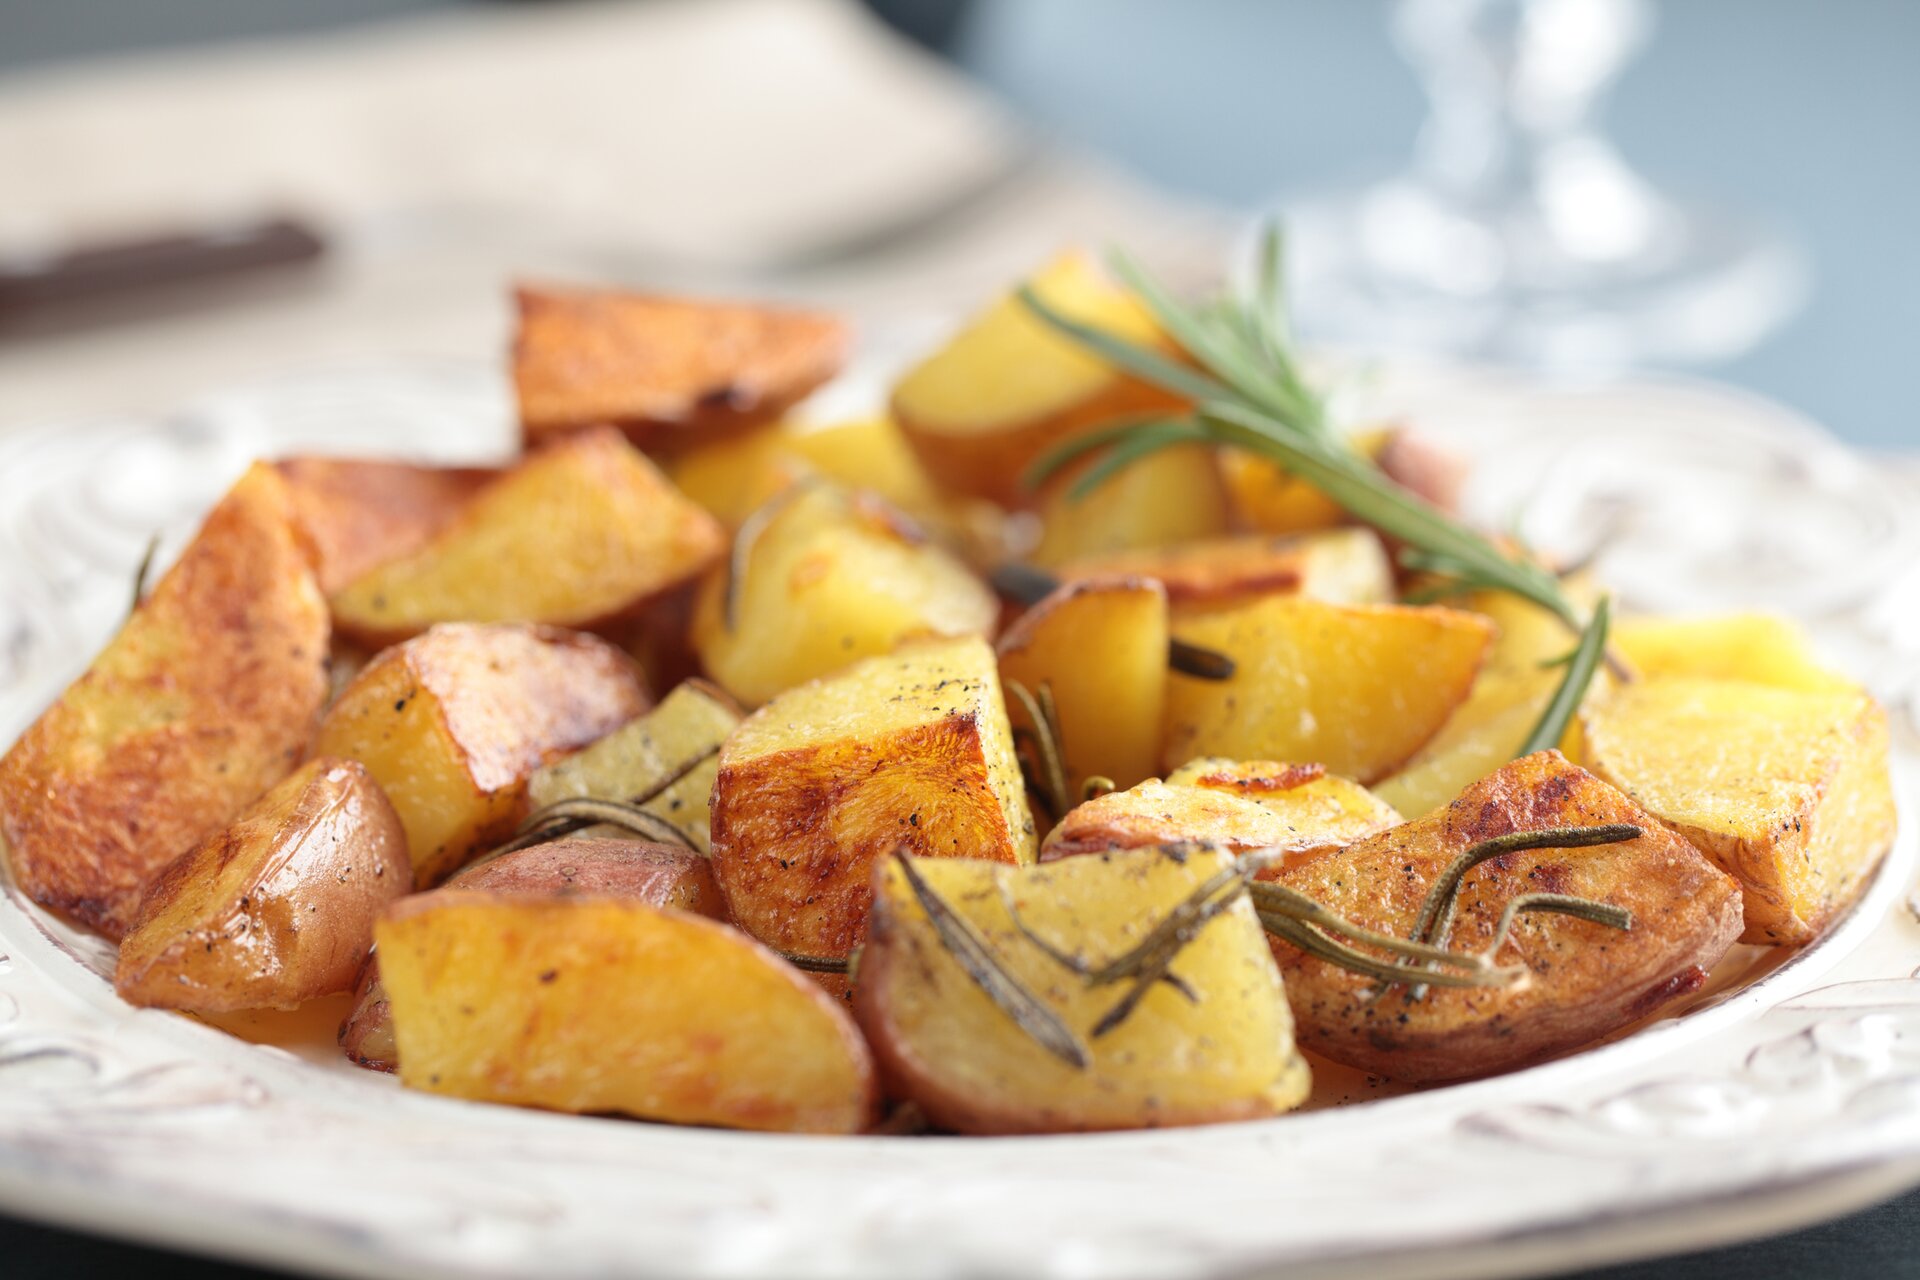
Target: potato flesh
452, 723
1752, 647
577, 866
206, 697
577, 533
1008, 387
831, 578
1173, 497
944, 1044
276, 909
361, 513
1321, 811
669, 372
637, 758
1585, 979
604, 1004
1789, 791
1357, 688
912, 750
1347, 566
1100, 646
1267, 497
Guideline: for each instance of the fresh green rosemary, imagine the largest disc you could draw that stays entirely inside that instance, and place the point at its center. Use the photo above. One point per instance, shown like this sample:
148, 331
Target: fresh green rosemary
1249, 393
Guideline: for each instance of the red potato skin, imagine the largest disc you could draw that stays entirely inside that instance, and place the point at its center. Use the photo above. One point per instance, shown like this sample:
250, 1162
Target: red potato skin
1586, 980
328, 854
658, 874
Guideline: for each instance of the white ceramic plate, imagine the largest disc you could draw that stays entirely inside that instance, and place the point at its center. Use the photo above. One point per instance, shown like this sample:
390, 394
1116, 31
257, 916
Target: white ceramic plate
1789, 1095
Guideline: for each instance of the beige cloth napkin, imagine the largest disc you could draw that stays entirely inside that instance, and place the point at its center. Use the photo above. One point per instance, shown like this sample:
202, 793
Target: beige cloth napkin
791, 147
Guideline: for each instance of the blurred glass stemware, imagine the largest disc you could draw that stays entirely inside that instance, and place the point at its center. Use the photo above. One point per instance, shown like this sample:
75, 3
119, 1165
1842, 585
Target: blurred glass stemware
1519, 233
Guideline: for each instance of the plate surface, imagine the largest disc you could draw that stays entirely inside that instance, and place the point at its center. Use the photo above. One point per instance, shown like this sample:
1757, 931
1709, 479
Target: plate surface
1792, 1098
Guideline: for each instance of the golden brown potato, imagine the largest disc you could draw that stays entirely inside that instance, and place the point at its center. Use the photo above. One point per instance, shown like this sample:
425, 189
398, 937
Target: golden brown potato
1155, 813
578, 533
1100, 646
1346, 566
1747, 646
1357, 688
276, 909
578, 866
1265, 496
607, 1004
669, 372
679, 738
907, 751
1008, 387
1585, 980
359, 513
206, 697
452, 723
1170, 498
1788, 791
830, 577
1227, 1054
1322, 811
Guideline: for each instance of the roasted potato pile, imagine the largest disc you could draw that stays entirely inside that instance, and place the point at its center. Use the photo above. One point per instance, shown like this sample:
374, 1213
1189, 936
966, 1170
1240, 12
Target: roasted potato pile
1068, 746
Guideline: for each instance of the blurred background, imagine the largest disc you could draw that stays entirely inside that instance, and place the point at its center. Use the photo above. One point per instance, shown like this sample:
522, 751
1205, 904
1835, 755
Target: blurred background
1720, 186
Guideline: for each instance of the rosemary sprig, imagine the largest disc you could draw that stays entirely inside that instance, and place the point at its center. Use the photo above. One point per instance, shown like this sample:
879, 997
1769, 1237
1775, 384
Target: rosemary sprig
976, 958
1248, 393
1582, 664
141, 573
1049, 780
563, 817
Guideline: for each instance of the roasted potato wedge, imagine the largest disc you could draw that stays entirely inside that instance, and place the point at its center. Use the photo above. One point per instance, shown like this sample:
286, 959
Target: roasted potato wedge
580, 532
1788, 791
1008, 387
669, 372
1171, 498
1100, 646
578, 866
607, 1004
452, 723
1357, 688
1749, 646
1156, 813
828, 576
911, 750
672, 753
1346, 566
1585, 980
730, 478
943, 1043
359, 514
1322, 811
207, 697
276, 909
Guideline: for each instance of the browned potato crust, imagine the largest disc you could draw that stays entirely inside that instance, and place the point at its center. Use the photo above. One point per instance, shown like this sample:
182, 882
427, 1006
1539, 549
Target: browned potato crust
911, 750
1322, 811
1586, 980
359, 513
605, 1004
276, 909
206, 698
669, 372
452, 724
1154, 813
582, 866
1344, 565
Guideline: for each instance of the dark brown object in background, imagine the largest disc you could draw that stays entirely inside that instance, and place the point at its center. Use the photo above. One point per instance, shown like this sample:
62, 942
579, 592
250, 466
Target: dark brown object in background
669, 372
109, 281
